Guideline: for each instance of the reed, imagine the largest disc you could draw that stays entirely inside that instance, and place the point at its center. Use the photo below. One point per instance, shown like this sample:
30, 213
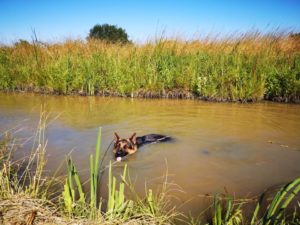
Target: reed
250, 67
226, 210
231, 214
79, 206
73, 204
117, 205
276, 210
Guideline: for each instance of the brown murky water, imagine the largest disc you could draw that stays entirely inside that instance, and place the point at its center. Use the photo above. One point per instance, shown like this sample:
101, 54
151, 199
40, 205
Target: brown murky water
240, 148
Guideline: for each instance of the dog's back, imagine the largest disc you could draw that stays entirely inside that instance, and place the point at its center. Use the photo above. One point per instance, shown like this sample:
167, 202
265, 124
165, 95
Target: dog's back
152, 138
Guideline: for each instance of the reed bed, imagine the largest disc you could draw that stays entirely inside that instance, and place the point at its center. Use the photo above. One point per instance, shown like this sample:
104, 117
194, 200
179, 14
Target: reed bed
250, 67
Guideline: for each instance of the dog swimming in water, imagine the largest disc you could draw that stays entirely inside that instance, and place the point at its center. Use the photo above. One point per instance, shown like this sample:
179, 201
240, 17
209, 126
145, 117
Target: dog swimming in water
128, 146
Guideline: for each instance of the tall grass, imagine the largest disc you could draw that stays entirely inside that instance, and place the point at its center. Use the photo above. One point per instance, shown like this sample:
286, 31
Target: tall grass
250, 67
26, 192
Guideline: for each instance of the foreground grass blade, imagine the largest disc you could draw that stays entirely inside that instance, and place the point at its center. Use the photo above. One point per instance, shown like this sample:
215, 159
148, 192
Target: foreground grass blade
98, 152
257, 208
67, 196
289, 198
92, 183
229, 209
272, 210
150, 201
94, 171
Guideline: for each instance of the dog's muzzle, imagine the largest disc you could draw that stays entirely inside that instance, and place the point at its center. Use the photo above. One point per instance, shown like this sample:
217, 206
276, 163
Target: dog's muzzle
120, 154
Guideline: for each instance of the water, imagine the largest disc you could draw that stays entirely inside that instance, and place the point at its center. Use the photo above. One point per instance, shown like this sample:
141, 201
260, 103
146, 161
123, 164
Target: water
241, 149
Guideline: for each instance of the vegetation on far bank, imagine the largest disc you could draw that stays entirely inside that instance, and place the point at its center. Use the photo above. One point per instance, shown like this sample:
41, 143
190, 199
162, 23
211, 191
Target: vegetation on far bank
248, 68
28, 196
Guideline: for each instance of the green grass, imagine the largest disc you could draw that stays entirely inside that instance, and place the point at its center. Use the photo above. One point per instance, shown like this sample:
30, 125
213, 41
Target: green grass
247, 68
227, 211
28, 196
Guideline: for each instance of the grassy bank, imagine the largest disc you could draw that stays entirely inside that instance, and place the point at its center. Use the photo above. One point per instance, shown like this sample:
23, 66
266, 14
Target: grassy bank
248, 68
28, 196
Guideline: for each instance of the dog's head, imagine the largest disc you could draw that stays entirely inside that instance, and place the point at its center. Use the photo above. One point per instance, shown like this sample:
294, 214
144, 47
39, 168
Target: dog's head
123, 147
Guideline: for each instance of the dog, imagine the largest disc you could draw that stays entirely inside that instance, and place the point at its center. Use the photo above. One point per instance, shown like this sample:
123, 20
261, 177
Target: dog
128, 146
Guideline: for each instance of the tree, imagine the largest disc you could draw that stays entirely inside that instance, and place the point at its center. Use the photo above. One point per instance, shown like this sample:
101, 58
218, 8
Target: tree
22, 42
110, 33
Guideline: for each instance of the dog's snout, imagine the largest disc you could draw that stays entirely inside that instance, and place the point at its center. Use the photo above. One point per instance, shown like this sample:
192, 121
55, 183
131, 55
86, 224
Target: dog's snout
120, 154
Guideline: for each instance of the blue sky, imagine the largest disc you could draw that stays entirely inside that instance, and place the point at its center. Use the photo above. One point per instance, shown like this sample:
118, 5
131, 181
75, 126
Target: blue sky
56, 20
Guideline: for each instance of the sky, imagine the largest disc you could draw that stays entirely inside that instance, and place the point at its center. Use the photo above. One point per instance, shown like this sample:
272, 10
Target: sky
57, 20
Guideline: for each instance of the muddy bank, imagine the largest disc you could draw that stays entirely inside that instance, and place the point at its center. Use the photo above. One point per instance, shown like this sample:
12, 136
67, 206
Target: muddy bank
167, 94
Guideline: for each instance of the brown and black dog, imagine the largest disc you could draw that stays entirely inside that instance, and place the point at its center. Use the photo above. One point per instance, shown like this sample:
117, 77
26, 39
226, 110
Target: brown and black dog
128, 146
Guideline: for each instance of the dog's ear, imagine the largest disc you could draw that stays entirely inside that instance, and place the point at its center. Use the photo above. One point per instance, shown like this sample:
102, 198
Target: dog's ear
117, 136
133, 138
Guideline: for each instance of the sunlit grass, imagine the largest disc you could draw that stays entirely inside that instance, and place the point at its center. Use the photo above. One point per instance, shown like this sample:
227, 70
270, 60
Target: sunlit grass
250, 67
